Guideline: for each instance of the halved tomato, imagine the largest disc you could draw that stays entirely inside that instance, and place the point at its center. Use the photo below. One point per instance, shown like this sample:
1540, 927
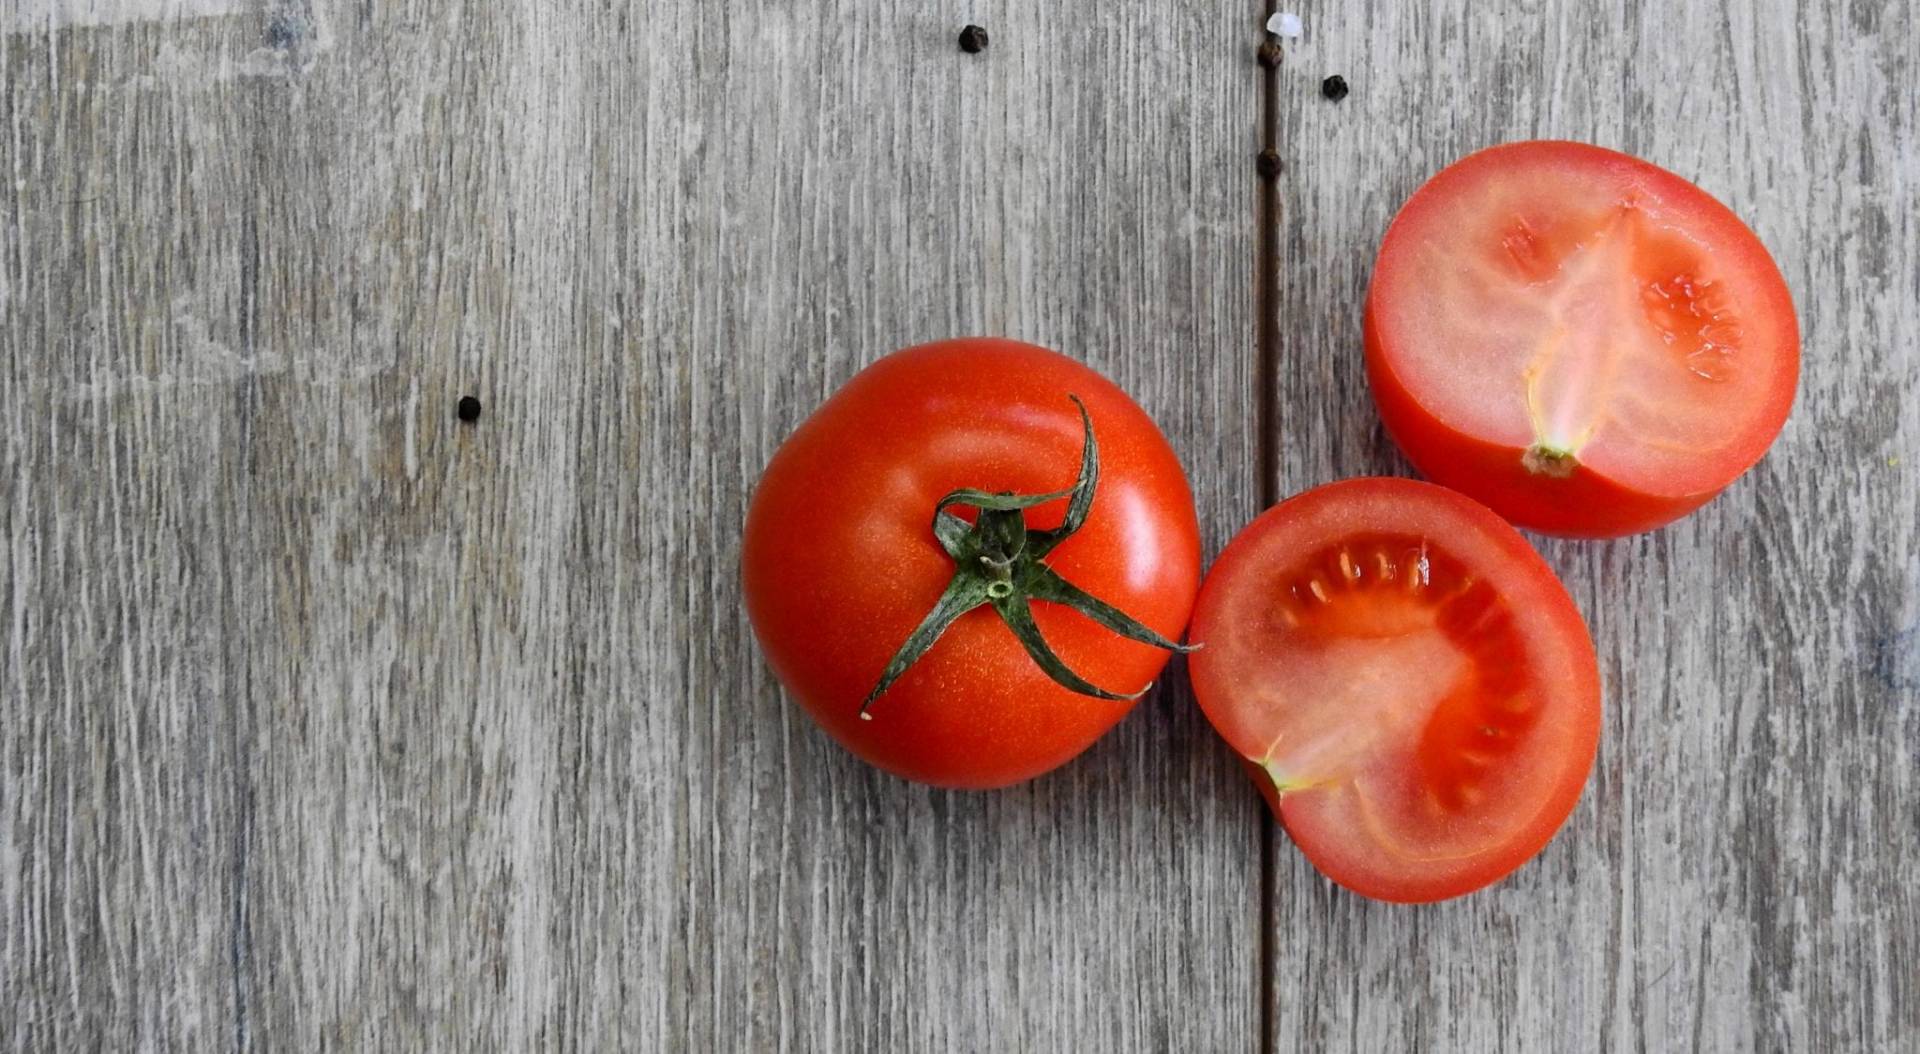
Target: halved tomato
1589, 344
1412, 688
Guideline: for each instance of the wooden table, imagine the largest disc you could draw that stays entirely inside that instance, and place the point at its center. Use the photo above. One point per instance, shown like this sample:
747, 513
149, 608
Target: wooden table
333, 722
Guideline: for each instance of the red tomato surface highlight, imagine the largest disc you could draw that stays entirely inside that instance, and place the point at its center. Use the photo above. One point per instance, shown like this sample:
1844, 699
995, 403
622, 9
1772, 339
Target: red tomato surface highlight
840, 564
1587, 343
1409, 683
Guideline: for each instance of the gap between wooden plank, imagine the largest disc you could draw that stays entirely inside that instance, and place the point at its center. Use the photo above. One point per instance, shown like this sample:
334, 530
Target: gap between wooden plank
1266, 316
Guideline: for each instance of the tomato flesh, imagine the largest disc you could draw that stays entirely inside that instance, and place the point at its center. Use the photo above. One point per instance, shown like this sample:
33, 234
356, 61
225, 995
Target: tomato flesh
1589, 344
1407, 678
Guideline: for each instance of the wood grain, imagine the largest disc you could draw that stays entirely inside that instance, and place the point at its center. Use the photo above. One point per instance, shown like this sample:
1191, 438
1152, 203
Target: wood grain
1739, 875
333, 722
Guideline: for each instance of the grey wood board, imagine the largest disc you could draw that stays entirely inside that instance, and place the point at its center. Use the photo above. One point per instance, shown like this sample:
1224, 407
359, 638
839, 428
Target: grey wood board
333, 722
330, 722
1740, 872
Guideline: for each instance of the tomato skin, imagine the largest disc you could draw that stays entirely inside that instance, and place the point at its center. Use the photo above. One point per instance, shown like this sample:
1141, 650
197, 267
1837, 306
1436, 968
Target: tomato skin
1233, 677
1586, 503
839, 562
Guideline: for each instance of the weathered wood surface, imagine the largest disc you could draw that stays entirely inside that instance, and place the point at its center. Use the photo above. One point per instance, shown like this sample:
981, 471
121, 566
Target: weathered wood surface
331, 722
1741, 872
334, 722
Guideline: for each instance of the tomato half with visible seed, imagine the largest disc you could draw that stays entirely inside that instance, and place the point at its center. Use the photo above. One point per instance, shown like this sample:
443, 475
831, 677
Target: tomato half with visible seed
1588, 344
1410, 684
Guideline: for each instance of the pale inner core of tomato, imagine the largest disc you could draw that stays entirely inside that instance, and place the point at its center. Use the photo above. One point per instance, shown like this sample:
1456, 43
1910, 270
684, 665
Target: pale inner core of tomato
1399, 685
1601, 335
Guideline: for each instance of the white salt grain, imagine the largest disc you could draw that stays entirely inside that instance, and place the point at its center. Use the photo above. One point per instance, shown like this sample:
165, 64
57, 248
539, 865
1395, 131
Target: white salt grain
1284, 24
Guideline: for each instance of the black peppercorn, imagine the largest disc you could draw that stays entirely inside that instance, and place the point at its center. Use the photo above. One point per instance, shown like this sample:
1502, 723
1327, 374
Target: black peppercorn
973, 40
1269, 55
1268, 163
469, 409
1334, 87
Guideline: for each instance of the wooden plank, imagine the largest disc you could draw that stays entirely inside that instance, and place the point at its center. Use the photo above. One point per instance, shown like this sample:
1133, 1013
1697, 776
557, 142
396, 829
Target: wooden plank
342, 723
1082, 184
1739, 874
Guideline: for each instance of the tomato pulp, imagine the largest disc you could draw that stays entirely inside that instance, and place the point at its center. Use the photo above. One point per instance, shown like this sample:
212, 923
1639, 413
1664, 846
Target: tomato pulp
841, 563
1411, 686
1588, 344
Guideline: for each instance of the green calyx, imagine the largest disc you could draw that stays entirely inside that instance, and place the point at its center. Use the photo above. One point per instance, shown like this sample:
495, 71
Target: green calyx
999, 562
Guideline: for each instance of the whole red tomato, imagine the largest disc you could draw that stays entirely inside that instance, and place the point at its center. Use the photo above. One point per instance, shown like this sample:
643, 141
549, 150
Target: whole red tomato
959, 547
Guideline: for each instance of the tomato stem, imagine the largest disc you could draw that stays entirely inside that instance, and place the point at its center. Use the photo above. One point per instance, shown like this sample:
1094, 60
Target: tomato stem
1545, 459
999, 562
